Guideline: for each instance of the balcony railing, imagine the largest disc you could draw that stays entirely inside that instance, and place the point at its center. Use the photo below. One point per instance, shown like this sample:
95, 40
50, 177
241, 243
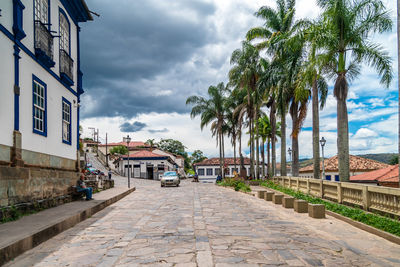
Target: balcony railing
43, 44
66, 68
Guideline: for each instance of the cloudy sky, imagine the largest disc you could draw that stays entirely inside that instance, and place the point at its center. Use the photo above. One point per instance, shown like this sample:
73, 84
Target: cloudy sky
142, 59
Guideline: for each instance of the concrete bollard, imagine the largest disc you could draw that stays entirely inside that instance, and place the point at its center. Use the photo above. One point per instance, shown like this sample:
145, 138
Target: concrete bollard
316, 211
261, 194
288, 202
268, 195
300, 206
277, 198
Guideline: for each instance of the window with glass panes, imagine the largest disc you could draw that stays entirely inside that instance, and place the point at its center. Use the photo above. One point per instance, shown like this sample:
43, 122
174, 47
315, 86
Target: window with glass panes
42, 11
64, 33
209, 172
39, 107
66, 121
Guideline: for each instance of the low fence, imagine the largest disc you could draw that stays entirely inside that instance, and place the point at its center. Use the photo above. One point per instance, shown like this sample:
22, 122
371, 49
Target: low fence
372, 198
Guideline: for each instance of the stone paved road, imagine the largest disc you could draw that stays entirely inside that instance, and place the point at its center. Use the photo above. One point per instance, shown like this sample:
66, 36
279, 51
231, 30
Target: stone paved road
205, 225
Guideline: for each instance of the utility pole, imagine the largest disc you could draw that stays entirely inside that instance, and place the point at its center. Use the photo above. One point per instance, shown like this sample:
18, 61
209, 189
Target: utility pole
106, 151
97, 144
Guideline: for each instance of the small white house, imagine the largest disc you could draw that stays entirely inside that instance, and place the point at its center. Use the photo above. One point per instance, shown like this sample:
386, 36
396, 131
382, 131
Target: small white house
209, 169
145, 164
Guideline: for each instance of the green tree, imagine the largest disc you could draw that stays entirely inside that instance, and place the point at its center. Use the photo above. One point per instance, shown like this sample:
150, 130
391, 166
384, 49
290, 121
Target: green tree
151, 143
211, 110
197, 156
175, 147
122, 150
348, 26
394, 160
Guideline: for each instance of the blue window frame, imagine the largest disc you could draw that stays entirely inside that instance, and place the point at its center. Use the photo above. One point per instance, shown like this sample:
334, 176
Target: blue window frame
39, 106
328, 177
65, 31
337, 178
200, 172
66, 121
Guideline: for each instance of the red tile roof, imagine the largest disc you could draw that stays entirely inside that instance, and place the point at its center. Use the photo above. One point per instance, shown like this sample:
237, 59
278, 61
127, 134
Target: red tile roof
228, 161
131, 144
145, 154
356, 164
389, 174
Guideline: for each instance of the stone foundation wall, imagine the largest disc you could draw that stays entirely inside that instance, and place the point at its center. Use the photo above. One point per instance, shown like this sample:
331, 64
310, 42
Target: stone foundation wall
24, 185
5, 153
46, 160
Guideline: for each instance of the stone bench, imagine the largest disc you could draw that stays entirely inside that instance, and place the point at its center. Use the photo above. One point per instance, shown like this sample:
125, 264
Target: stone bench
261, 194
288, 202
300, 206
316, 211
268, 195
277, 199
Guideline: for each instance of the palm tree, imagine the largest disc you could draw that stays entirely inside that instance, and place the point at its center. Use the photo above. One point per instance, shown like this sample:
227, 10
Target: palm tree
278, 23
311, 76
347, 42
211, 111
151, 143
244, 74
267, 136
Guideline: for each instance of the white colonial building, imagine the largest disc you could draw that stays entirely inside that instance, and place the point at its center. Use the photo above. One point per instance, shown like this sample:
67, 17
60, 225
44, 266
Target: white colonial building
40, 82
208, 169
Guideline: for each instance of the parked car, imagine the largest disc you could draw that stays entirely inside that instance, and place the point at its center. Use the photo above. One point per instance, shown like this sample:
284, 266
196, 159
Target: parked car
170, 178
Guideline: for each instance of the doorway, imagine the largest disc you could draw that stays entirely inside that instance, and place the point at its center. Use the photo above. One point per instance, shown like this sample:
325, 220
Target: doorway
150, 172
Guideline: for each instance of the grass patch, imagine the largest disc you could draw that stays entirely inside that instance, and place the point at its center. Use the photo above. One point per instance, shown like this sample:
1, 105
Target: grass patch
236, 184
383, 223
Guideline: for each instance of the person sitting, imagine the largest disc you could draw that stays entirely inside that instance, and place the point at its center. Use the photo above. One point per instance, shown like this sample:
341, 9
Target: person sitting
196, 177
81, 186
219, 178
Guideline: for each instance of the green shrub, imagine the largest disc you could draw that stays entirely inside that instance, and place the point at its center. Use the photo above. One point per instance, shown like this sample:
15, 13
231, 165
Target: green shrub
236, 184
383, 223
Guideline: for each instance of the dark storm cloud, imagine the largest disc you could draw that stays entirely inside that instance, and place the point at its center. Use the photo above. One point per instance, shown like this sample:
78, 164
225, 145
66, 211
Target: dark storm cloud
131, 44
165, 130
132, 127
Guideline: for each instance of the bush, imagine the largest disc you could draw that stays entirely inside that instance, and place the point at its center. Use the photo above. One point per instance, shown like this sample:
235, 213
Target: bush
236, 184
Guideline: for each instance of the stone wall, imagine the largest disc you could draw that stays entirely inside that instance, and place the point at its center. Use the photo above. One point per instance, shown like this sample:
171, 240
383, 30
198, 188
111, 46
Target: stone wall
5, 153
22, 184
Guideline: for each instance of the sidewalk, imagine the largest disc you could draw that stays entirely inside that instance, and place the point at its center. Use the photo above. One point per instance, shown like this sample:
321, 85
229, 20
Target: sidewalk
29, 231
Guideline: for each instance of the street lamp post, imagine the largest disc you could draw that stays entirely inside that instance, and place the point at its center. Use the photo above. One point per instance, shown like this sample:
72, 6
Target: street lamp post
323, 141
128, 140
290, 158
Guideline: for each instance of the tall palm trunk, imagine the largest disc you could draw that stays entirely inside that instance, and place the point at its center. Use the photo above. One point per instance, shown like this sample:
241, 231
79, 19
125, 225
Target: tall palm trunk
220, 153
263, 159
283, 142
398, 72
257, 144
315, 133
240, 150
295, 141
251, 147
273, 140
234, 150
340, 92
269, 160
223, 156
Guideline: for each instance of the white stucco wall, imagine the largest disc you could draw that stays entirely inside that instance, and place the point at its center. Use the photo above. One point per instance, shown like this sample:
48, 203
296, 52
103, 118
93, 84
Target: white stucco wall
6, 18
6, 89
52, 144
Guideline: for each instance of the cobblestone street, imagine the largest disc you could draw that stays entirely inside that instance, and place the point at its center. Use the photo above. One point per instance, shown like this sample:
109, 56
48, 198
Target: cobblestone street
205, 225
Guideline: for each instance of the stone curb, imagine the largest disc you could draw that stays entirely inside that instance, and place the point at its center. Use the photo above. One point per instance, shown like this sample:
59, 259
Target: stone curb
372, 230
34, 239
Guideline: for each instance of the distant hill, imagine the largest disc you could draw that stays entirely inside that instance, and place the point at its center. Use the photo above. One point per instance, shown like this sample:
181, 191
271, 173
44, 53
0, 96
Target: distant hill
382, 157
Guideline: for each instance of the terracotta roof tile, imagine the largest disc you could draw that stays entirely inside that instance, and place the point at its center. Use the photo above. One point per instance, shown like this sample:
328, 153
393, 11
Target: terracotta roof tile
145, 154
228, 161
131, 144
356, 164
389, 174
